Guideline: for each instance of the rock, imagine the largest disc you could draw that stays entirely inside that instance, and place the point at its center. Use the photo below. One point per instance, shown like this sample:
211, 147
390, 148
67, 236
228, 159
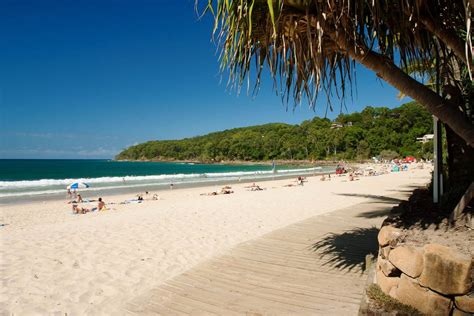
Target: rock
446, 271
426, 301
407, 259
385, 251
387, 268
388, 235
465, 302
457, 312
393, 292
386, 283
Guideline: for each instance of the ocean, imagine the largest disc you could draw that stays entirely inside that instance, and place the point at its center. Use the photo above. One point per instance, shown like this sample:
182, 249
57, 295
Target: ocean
26, 178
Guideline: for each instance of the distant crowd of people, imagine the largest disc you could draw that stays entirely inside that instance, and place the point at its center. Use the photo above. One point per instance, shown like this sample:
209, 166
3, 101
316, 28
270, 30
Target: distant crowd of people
394, 166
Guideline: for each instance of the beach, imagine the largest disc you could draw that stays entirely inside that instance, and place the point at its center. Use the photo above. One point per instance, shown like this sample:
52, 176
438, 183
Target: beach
54, 261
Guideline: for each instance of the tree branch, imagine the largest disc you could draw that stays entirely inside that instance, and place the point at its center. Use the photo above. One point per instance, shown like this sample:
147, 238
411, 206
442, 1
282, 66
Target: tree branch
389, 72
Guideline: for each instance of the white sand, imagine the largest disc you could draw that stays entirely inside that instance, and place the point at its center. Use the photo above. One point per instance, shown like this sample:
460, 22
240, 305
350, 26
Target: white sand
54, 261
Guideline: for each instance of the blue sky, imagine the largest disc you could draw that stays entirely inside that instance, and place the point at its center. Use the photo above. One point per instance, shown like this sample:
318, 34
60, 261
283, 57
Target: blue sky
85, 79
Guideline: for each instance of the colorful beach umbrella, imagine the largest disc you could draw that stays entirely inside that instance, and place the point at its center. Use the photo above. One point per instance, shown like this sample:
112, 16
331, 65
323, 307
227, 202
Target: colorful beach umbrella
77, 185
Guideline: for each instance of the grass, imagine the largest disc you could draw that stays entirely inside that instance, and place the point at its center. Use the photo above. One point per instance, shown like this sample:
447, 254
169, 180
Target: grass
387, 304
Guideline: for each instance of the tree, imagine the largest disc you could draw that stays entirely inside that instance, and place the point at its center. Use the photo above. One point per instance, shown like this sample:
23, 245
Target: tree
312, 45
388, 155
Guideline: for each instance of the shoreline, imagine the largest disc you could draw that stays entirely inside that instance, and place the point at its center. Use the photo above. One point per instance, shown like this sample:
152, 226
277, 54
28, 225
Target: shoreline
152, 188
160, 187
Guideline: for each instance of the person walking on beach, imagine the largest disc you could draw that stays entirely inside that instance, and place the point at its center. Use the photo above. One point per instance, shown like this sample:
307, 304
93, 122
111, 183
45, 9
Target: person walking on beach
69, 193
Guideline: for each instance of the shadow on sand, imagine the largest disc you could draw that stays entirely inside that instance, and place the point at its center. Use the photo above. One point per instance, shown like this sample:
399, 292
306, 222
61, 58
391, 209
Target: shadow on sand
347, 251
376, 198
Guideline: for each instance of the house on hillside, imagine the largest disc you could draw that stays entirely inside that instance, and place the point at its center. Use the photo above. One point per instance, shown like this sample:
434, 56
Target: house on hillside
426, 138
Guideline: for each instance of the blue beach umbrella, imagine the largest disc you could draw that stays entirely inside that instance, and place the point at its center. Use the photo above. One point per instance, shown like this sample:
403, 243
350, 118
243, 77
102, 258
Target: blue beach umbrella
77, 185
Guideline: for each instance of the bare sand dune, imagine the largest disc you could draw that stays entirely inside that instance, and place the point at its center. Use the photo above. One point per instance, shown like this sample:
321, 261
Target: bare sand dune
54, 261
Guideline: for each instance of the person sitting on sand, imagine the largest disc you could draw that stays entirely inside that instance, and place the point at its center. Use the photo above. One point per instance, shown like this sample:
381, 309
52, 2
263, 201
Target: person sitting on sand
155, 197
323, 178
299, 181
140, 197
79, 199
79, 210
101, 205
256, 188
226, 191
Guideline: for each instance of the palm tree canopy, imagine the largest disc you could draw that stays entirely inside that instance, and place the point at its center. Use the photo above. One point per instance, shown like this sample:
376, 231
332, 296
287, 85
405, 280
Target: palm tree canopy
304, 43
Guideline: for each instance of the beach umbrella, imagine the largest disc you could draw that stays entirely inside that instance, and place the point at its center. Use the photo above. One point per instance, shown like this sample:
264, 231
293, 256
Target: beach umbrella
77, 185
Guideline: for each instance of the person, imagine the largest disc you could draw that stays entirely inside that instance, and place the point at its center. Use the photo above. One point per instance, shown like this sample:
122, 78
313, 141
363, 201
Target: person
74, 192
351, 176
171, 186
79, 210
210, 193
323, 178
101, 205
329, 177
155, 197
256, 188
69, 193
299, 181
140, 198
79, 199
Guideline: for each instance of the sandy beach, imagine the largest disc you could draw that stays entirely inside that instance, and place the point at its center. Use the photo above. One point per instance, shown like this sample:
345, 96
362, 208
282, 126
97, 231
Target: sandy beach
53, 261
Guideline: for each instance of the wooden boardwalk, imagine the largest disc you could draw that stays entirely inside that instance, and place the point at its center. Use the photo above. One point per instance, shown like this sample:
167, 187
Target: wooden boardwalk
314, 267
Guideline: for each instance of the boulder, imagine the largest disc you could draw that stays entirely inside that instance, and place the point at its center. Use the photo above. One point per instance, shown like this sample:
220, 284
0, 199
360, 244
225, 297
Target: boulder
386, 283
465, 303
446, 271
385, 251
388, 235
387, 268
407, 259
426, 301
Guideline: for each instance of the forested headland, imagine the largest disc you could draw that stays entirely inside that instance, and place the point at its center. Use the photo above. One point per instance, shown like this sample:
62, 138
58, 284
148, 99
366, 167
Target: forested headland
360, 135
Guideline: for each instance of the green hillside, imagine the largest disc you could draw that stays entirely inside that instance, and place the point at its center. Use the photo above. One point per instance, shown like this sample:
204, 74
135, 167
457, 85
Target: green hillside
350, 136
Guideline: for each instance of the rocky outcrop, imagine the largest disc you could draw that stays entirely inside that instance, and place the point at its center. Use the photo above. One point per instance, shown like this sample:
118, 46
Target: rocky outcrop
434, 279
446, 271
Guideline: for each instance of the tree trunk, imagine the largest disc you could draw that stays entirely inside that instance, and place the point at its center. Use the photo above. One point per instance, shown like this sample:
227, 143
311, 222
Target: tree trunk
389, 72
460, 160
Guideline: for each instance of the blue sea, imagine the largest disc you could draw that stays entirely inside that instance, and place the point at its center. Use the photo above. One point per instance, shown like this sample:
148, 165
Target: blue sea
41, 178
